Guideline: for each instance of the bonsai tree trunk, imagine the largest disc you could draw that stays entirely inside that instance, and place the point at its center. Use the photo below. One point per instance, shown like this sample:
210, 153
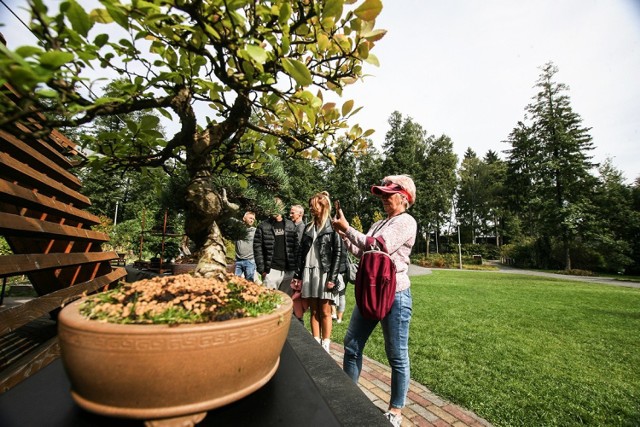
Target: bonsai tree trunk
206, 206
204, 209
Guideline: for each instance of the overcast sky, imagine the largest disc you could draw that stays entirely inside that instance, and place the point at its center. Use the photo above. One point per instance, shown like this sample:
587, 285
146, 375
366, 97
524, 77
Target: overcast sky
466, 68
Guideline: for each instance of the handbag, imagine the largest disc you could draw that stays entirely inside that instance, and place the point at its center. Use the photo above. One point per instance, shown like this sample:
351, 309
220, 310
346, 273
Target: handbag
352, 270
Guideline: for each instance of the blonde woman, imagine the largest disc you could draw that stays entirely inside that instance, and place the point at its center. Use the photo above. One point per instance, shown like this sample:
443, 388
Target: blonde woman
318, 264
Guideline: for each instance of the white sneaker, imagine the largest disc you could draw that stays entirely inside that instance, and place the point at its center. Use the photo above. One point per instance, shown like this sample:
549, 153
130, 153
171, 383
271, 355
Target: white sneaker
394, 419
326, 344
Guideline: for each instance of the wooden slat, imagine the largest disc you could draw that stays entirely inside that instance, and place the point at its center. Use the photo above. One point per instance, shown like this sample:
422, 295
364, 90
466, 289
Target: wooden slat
24, 339
19, 315
12, 95
55, 143
39, 161
65, 143
29, 364
42, 220
16, 225
54, 137
23, 197
47, 185
13, 265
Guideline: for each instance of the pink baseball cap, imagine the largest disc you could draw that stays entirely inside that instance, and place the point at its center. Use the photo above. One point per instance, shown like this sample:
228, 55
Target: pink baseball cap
390, 188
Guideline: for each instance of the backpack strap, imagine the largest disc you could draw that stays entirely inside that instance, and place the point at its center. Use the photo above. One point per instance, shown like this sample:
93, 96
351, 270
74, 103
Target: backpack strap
373, 243
379, 241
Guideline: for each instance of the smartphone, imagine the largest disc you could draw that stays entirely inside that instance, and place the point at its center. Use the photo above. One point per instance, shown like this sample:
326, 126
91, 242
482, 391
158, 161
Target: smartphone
336, 206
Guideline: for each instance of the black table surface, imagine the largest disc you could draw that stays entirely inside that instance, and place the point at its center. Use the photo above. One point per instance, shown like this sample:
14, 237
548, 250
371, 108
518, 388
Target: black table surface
308, 389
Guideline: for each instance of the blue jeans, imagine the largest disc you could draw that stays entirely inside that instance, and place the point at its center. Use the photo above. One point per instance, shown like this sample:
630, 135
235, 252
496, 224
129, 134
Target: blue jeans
246, 267
395, 329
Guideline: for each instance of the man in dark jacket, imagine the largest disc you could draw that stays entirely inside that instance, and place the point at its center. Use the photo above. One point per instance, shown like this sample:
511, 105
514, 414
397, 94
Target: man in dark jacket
274, 250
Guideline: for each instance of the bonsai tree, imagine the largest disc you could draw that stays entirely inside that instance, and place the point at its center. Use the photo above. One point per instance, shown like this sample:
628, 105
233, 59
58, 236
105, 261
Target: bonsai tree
237, 80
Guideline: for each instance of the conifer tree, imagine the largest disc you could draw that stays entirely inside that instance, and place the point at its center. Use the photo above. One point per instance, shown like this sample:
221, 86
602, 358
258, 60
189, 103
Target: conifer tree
552, 157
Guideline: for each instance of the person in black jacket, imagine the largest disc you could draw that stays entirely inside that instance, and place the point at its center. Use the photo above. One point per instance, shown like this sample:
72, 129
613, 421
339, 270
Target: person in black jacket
274, 250
317, 267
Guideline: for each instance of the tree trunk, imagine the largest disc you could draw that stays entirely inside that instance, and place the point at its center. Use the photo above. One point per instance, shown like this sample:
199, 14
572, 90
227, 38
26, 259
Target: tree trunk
427, 240
567, 253
213, 256
204, 208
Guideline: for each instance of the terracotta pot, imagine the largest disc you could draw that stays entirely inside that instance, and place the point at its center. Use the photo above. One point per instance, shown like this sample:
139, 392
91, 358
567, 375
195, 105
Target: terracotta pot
183, 268
159, 371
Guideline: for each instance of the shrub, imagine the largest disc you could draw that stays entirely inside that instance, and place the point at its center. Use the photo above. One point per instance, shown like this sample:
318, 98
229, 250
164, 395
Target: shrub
439, 260
522, 253
4, 247
486, 250
576, 272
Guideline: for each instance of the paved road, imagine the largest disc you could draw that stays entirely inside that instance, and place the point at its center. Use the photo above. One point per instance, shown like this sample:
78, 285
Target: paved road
415, 270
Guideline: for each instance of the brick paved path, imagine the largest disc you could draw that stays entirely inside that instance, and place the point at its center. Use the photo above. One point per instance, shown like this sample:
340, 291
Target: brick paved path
423, 408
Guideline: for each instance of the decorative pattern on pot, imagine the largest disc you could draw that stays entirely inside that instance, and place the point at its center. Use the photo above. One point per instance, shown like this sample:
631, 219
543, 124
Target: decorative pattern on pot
165, 371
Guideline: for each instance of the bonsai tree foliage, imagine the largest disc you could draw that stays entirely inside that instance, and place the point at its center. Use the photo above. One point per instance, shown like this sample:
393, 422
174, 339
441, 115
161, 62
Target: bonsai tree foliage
259, 69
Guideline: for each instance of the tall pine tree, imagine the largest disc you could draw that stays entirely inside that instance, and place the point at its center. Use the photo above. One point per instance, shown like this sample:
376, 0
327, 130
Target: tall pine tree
553, 151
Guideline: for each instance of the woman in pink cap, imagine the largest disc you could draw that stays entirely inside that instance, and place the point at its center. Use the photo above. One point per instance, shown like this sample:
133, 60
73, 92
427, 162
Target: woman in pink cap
398, 229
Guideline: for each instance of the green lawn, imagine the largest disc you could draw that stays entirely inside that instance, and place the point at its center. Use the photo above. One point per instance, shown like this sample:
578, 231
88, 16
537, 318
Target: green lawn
524, 350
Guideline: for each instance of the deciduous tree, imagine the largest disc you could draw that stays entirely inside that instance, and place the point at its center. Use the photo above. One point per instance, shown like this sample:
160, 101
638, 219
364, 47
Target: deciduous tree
262, 69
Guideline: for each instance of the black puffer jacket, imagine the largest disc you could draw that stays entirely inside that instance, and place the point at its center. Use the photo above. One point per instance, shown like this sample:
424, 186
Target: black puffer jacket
264, 240
329, 246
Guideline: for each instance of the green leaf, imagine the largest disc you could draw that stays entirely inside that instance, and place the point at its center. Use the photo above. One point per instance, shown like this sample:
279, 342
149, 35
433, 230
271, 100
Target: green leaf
257, 53
369, 10
132, 126
333, 8
165, 113
237, 4
372, 59
347, 107
118, 15
100, 16
323, 41
55, 59
106, 100
297, 70
47, 93
243, 182
79, 19
27, 51
149, 122
154, 134
374, 35
285, 13
101, 40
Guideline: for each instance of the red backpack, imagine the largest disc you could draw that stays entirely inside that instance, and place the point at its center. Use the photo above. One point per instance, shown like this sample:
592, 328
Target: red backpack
375, 285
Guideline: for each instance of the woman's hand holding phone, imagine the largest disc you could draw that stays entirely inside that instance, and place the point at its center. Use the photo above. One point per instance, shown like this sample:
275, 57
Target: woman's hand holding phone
339, 222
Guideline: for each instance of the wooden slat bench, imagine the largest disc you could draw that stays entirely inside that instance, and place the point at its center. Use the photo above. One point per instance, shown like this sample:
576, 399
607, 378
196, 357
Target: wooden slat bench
43, 220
